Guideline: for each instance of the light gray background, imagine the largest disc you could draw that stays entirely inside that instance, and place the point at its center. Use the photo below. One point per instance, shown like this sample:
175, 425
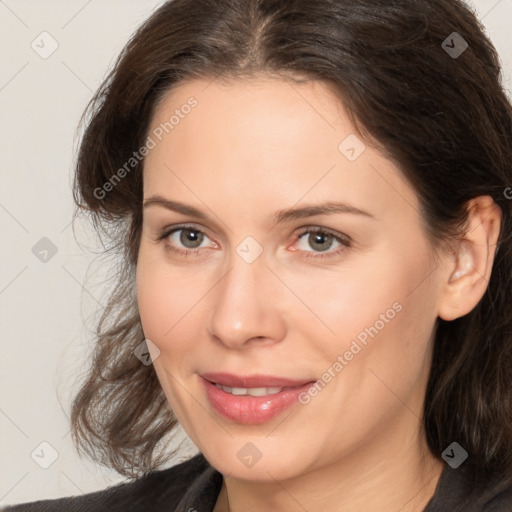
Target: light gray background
46, 313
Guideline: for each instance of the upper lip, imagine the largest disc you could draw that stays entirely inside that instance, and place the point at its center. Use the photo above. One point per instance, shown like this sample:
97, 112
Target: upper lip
253, 381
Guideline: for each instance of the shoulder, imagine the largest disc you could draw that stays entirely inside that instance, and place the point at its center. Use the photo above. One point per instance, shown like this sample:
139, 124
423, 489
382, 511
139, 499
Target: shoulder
466, 489
159, 489
499, 498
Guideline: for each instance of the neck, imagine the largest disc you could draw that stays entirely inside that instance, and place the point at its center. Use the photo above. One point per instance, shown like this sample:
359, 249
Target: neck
399, 474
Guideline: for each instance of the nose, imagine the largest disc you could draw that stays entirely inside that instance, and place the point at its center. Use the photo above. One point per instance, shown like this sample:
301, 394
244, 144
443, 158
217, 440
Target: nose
247, 309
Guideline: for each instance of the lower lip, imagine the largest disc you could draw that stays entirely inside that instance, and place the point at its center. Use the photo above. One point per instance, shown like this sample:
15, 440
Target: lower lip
252, 410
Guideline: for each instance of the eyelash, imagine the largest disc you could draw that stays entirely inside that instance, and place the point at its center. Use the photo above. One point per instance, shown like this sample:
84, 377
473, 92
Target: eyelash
342, 239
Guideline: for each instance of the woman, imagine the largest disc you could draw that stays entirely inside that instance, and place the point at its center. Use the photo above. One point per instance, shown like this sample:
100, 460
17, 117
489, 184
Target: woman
309, 197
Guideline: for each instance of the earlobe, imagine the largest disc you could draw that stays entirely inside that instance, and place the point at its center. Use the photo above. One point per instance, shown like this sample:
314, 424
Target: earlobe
470, 264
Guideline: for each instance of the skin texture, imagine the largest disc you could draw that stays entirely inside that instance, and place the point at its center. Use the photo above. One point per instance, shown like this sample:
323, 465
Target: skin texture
247, 150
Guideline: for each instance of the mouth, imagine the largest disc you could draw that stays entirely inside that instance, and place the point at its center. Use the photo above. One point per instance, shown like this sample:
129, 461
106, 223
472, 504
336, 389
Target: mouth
252, 399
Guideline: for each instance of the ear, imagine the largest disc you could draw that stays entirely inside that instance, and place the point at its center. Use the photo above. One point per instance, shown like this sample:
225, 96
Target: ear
469, 265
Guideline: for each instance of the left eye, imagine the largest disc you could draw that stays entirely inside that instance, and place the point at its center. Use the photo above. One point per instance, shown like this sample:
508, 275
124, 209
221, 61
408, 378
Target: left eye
320, 241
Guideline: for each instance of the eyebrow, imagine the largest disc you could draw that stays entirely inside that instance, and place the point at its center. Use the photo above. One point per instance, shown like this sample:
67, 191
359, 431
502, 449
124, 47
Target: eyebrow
329, 208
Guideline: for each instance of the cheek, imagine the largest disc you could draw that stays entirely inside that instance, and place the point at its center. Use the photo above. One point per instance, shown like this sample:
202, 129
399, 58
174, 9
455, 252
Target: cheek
165, 295
156, 312
352, 299
398, 329
380, 313
164, 300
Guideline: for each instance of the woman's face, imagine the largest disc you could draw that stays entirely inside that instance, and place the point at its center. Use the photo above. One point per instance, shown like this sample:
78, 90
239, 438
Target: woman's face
292, 255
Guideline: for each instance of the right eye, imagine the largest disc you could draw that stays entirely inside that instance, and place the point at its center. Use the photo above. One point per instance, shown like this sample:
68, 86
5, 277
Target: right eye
185, 240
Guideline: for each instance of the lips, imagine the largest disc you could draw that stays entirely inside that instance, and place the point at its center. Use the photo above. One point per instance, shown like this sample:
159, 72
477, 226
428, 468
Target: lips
252, 399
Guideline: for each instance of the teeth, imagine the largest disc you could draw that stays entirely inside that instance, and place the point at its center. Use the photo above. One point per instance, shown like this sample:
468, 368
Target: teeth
273, 391
250, 391
260, 391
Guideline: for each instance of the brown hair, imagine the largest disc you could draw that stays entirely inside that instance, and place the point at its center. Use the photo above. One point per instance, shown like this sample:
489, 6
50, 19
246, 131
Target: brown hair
444, 119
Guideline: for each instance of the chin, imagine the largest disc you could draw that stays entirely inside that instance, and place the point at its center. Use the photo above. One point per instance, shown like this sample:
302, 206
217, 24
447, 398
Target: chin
257, 461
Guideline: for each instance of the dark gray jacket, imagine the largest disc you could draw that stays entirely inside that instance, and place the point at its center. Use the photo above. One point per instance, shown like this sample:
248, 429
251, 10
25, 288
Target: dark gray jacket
193, 486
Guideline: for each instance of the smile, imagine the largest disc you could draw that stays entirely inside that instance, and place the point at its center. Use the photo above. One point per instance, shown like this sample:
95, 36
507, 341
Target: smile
252, 399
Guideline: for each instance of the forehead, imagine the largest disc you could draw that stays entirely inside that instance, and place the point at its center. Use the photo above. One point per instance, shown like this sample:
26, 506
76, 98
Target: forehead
271, 111
265, 138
